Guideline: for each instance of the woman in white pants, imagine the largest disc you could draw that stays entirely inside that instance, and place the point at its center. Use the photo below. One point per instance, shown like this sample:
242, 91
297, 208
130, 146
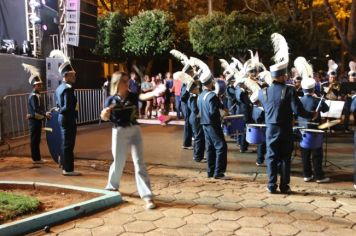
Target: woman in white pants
121, 109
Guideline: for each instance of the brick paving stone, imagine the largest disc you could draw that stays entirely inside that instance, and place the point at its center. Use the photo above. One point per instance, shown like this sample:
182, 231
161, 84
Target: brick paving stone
306, 225
335, 222
340, 213
90, 223
118, 218
130, 208
338, 232
254, 196
192, 183
253, 203
130, 234
301, 206
230, 197
326, 204
311, 234
206, 200
300, 198
227, 215
220, 233
324, 211
174, 212
76, 231
199, 219
189, 196
347, 201
254, 189
149, 215
60, 228
203, 209
163, 231
253, 212
230, 206
139, 226
256, 222
351, 217
276, 217
282, 229
169, 222
194, 229
217, 185
276, 201
278, 209
187, 189
210, 194
224, 225
349, 208
108, 230
305, 215
251, 231
165, 198
183, 203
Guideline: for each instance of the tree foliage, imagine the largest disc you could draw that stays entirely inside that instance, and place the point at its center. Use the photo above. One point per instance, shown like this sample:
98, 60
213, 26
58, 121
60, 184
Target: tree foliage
150, 33
109, 41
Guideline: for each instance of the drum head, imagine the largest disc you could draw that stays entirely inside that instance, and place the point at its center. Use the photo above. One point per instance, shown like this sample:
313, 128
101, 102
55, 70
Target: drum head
256, 125
312, 130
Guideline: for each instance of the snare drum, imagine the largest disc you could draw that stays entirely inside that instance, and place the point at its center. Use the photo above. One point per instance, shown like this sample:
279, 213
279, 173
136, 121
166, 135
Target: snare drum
311, 138
256, 133
233, 124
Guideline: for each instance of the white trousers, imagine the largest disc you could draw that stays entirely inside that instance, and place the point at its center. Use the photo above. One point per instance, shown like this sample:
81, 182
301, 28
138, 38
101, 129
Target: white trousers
122, 140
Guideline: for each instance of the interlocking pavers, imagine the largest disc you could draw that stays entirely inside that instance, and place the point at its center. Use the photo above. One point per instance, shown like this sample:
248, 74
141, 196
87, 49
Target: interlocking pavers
338, 232
194, 229
254, 196
90, 223
191, 189
282, 229
301, 206
336, 222
220, 233
206, 200
305, 215
276, 201
188, 196
349, 208
170, 222
149, 215
230, 197
139, 226
210, 194
230, 206
165, 198
311, 226
340, 213
253, 212
275, 217
251, 231
199, 219
224, 225
163, 231
253, 203
76, 231
129, 208
116, 217
203, 209
311, 234
108, 230
227, 215
257, 222
174, 212
326, 204
347, 201
300, 198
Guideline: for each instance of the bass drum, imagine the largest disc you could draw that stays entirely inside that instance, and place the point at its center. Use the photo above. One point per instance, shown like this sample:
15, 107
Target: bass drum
220, 87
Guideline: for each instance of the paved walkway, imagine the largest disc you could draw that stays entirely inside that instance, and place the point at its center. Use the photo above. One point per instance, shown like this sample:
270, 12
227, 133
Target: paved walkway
191, 204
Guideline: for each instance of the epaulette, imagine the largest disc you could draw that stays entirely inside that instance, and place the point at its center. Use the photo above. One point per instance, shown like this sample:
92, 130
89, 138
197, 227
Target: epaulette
207, 94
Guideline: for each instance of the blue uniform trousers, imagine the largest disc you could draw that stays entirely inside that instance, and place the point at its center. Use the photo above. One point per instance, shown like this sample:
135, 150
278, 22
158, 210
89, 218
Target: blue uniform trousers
315, 155
35, 133
199, 142
178, 107
261, 151
187, 133
279, 141
68, 132
216, 150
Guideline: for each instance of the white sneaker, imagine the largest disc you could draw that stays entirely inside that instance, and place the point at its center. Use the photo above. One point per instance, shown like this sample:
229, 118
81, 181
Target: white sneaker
323, 180
308, 179
355, 186
150, 204
71, 173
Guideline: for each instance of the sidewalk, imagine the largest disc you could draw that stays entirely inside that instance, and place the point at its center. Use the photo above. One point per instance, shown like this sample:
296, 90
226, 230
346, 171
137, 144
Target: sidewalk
191, 204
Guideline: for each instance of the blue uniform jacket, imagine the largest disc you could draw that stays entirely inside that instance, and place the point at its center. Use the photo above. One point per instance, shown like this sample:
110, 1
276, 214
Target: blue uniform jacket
279, 107
34, 108
310, 103
66, 101
244, 103
208, 105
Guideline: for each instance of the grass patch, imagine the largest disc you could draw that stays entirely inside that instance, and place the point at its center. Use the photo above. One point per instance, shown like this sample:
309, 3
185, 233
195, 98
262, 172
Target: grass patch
13, 205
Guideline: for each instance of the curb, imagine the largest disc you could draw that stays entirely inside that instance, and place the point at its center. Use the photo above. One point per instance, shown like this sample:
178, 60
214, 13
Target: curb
40, 221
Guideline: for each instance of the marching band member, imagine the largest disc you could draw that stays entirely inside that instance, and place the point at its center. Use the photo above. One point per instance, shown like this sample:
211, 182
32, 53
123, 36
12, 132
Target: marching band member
353, 109
121, 109
67, 104
187, 132
279, 102
36, 113
348, 97
311, 103
298, 86
215, 144
331, 88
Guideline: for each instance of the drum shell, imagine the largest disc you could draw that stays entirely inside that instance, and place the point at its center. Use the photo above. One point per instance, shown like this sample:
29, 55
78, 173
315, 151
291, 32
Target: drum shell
255, 134
311, 140
233, 126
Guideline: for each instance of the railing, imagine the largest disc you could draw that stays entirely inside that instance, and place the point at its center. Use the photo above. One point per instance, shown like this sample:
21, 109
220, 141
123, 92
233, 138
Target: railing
14, 110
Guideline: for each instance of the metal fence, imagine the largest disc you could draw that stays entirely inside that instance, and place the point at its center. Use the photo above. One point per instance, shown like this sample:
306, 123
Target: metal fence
14, 109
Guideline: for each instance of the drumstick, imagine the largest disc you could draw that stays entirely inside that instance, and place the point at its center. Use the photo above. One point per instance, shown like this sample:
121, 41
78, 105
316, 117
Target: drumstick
319, 104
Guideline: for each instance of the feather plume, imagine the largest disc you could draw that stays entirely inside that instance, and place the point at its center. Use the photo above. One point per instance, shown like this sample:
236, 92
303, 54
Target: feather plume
332, 65
352, 66
229, 70
256, 57
58, 54
304, 69
265, 76
280, 47
34, 71
251, 53
180, 56
182, 76
237, 63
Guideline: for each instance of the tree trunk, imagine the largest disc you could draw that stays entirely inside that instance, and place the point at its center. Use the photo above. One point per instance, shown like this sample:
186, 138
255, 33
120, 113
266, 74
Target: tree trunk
210, 7
351, 32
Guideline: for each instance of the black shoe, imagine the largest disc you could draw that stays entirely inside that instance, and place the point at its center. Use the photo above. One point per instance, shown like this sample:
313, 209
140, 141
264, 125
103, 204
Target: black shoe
200, 161
271, 190
286, 190
188, 147
223, 177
